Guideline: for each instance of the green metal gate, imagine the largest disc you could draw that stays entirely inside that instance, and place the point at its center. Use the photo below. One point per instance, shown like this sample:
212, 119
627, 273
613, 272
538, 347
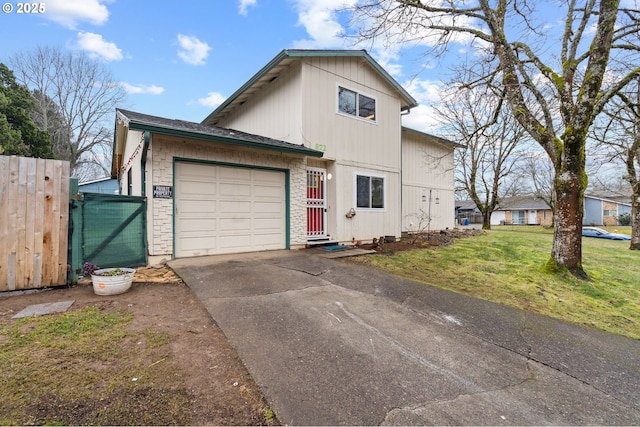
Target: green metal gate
108, 231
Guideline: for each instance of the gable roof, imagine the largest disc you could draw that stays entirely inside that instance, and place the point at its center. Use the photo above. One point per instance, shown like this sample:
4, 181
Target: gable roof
520, 203
182, 128
433, 137
466, 205
282, 61
517, 203
612, 198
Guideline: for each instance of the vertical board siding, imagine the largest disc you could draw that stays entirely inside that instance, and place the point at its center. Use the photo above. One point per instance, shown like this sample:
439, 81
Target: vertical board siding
34, 211
346, 139
426, 165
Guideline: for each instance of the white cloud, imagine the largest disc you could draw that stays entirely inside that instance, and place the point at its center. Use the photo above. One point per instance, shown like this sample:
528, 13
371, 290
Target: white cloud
428, 94
71, 12
387, 59
244, 5
320, 18
142, 89
212, 100
98, 47
192, 50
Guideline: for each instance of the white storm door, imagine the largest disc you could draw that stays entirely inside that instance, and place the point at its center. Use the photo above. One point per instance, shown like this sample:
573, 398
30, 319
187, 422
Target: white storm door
316, 203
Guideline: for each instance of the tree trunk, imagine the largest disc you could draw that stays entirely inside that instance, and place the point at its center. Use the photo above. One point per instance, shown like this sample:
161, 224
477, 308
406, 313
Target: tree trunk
635, 220
486, 220
566, 252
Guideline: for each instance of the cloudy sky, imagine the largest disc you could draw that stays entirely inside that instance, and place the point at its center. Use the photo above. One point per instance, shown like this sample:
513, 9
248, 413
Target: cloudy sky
180, 59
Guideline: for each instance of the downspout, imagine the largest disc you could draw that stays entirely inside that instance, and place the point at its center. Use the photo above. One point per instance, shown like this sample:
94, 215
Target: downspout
403, 112
143, 162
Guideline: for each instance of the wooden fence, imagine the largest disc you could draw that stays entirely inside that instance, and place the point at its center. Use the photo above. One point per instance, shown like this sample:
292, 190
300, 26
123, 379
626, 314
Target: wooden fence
34, 221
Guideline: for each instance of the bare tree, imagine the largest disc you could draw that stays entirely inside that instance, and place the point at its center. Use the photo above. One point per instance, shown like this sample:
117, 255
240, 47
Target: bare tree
539, 170
486, 168
554, 87
620, 138
75, 99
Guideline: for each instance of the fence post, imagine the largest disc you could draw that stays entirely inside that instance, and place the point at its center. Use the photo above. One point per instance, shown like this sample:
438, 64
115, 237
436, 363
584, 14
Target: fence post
75, 232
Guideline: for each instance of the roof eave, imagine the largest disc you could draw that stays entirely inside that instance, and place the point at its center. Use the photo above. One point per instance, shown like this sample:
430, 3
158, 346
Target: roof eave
296, 53
437, 138
135, 125
411, 102
263, 71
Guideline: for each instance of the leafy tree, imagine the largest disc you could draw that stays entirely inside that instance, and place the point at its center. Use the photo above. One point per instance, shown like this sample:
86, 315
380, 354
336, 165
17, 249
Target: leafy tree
18, 134
554, 87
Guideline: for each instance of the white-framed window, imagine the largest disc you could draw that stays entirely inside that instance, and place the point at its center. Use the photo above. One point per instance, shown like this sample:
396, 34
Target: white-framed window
517, 217
370, 191
353, 103
610, 212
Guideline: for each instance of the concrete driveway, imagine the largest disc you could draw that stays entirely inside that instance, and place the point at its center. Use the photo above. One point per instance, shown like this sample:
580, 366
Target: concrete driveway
334, 343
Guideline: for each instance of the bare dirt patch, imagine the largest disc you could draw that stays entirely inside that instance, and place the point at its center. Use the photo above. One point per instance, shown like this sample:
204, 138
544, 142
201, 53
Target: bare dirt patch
174, 366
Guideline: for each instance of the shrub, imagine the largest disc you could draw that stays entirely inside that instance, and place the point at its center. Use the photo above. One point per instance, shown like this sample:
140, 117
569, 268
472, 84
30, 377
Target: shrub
624, 219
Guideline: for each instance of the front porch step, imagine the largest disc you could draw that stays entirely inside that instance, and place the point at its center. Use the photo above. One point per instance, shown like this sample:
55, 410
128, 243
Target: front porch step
321, 242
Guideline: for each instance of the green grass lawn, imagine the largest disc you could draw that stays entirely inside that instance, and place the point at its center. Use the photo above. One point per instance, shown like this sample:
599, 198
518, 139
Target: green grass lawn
505, 265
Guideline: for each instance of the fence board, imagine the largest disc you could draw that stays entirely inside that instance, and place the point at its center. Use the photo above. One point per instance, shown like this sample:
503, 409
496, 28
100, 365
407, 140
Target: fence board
4, 229
34, 207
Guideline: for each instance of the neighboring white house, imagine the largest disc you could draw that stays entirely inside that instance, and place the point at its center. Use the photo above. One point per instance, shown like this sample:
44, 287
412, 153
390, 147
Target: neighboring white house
310, 149
522, 210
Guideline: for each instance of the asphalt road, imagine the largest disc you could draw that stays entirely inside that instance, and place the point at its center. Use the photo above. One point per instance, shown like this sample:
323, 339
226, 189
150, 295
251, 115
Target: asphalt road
334, 343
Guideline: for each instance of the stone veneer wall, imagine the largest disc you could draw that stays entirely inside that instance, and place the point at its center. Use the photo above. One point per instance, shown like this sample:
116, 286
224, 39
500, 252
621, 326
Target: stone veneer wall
165, 149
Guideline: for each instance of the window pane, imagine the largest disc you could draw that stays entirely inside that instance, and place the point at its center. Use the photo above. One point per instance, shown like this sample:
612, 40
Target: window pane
346, 101
367, 107
377, 193
363, 191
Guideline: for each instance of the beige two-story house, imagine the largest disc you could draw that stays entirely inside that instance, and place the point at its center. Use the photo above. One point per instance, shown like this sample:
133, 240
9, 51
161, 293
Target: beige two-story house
310, 149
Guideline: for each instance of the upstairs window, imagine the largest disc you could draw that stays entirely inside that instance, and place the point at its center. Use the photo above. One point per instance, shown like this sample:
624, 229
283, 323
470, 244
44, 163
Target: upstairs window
356, 104
369, 192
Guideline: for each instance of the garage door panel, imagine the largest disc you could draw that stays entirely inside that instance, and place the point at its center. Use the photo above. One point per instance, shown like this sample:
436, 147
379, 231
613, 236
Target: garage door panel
266, 176
225, 209
266, 240
266, 208
198, 245
192, 187
266, 223
234, 190
235, 207
192, 208
197, 225
235, 243
233, 174
264, 191
234, 224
